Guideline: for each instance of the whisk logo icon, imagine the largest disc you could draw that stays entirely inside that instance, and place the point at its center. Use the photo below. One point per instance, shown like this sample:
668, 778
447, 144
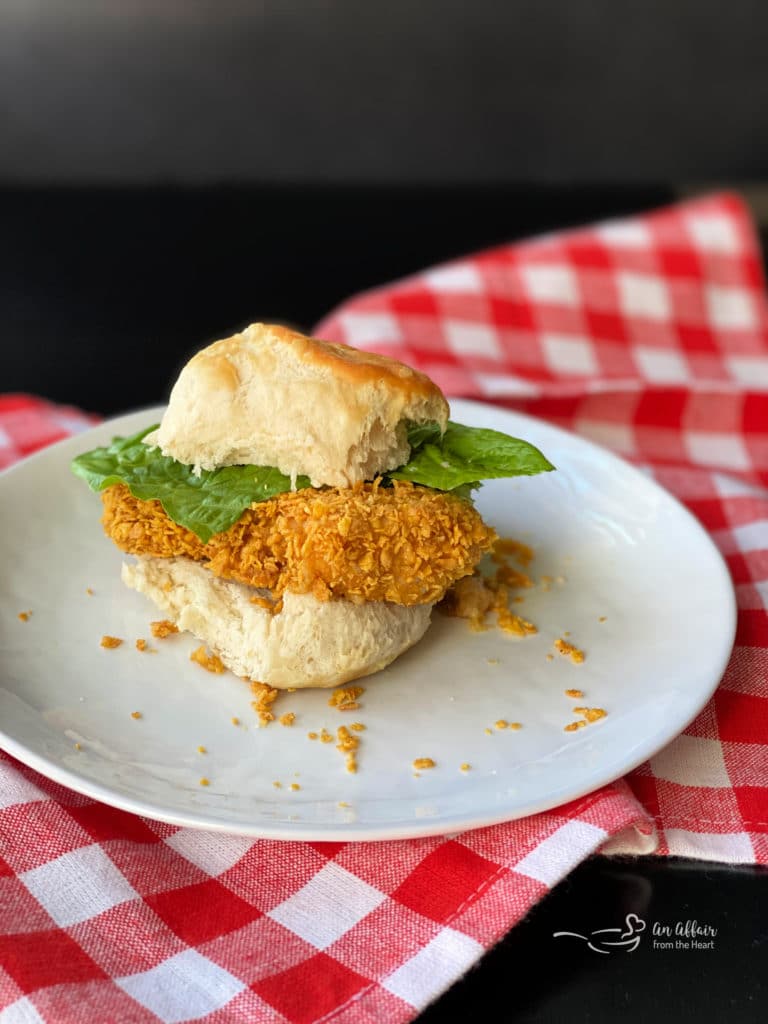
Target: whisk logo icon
611, 940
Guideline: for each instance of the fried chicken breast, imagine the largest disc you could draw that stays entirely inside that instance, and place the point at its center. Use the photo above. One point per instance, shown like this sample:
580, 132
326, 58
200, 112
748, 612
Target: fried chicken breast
403, 544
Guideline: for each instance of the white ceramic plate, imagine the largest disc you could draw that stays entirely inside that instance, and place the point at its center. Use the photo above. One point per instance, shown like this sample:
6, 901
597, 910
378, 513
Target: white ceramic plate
628, 552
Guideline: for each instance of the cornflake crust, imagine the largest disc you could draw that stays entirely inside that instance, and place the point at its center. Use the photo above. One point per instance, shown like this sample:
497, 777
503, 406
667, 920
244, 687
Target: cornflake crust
478, 596
346, 698
570, 650
163, 628
210, 662
348, 744
265, 696
110, 642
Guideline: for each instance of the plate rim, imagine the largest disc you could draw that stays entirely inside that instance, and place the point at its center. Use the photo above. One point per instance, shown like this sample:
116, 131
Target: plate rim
350, 832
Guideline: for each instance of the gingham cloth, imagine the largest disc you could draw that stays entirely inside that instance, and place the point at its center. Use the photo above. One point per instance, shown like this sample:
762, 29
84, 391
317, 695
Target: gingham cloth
649, 335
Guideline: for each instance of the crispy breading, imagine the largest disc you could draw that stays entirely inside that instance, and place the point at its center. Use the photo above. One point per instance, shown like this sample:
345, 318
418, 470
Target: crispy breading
404, 544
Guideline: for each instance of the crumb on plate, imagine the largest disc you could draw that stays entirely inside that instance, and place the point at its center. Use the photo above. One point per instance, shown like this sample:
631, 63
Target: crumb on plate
422, 763
573, 726
141, 644
570, 650
265, 698
110, 642
210, 662
136, 715
287, 719
204, 781
576, 694
348, 744
163, 628
591, 714
346, 698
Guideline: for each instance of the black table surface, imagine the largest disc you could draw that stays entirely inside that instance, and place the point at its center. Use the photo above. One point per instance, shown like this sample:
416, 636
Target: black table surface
103, 296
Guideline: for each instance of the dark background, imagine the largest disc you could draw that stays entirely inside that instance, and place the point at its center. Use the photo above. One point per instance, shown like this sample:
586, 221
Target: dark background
402, 92
173, 169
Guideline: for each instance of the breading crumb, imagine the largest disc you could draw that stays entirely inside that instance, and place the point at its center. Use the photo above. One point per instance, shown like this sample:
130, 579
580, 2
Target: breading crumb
570, 650
210, 662
422, 763
501, 724
277, 785
141, 645
573, 726
488, 732
311, 735
342, 803
348, 744
204, 782
550, 657
357, 726
202, 750
577, 694
265, 698
136, 715
273, 607
515, 725
89, 591
235, 721
294, 786
78, 747
602, 618
110, 642
514, 548
346, 699
465, 767
591, 714
163, 628
325, 736
287, 719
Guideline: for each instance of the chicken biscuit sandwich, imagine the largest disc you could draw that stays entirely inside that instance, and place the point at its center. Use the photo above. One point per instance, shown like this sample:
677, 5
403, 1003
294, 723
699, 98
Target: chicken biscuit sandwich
302, 505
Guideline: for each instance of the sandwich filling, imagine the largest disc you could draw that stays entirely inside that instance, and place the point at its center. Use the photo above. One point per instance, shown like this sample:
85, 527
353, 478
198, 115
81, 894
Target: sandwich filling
404, 544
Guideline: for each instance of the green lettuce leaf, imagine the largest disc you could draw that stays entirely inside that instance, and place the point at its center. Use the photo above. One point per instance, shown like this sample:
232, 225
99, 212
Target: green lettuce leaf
214, 500
465, 455
205, 504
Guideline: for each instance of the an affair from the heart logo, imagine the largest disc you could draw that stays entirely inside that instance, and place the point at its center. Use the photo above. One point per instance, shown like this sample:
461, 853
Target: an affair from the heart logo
611, 940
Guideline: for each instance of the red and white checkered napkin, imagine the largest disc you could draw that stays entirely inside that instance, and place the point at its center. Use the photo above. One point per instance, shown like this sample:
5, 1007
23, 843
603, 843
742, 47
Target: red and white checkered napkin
649, 335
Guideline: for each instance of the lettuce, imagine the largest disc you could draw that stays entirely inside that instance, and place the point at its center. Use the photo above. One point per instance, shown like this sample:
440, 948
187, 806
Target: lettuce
465, 455
205, 504
214, 500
